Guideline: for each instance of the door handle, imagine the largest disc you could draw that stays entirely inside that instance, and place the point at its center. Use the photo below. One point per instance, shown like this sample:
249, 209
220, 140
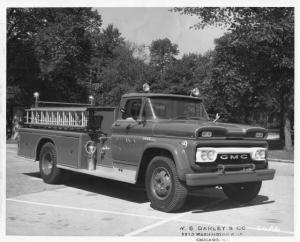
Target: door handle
117, 124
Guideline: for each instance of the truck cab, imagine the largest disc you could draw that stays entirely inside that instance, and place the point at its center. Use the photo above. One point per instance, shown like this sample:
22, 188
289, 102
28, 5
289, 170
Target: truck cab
166, 142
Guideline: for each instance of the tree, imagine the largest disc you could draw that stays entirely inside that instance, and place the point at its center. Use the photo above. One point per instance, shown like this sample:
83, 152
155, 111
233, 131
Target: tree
22, 66
124, 73
49, 49
104, 52
109, 40
259, 51
65, 54
190, 71
64, 49
113, 69
162, 54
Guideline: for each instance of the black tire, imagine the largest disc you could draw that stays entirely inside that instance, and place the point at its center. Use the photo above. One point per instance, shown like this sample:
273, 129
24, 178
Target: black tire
242, 192
47, 163
164, 189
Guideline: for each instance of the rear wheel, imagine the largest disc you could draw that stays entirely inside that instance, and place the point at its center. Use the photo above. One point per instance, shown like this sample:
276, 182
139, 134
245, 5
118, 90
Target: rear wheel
242, 192
164, 189
48, 170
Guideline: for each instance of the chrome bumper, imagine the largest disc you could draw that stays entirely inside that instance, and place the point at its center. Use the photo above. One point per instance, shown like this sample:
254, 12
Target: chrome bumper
225, 177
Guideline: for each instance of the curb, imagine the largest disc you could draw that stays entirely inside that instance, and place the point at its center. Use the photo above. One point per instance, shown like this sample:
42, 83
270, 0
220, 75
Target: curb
282, 161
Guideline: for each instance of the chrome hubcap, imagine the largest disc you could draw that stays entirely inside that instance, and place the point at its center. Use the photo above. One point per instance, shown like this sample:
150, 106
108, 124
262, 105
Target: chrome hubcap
47, 164
161, 183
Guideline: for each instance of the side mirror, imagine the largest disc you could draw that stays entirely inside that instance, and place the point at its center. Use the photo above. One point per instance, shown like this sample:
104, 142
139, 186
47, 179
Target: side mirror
123, 112
217, 117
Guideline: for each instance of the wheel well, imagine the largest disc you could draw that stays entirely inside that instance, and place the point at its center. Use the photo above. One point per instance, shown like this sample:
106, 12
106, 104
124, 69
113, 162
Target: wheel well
40, 145
148, 155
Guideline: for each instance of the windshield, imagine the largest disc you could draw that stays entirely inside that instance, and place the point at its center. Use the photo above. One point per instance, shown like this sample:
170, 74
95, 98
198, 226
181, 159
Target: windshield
175, 108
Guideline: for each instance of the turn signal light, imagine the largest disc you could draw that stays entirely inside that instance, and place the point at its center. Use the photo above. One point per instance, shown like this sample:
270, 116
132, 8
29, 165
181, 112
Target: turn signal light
259, 135
206, 134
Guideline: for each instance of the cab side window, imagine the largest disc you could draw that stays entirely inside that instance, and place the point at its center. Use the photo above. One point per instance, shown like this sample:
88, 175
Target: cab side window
132, 109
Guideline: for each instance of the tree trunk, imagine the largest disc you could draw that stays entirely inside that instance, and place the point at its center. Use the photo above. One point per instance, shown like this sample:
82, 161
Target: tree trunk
287, 133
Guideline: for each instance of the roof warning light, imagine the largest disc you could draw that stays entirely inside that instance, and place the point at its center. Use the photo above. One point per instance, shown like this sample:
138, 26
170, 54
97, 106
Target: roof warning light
146, 87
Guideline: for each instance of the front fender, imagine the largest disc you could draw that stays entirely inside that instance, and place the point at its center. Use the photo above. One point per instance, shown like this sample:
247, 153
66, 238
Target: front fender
179, 156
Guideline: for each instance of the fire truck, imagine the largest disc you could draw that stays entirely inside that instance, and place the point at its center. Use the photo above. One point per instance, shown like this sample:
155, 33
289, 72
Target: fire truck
165, 142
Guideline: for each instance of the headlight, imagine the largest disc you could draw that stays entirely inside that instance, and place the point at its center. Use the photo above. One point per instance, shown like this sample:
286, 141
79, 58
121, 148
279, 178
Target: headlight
206, 155
259, 154
206, 134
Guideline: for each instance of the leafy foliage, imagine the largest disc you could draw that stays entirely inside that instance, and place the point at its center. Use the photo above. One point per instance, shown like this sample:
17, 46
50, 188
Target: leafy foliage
253, 69
162, 53
49, 49
65, 54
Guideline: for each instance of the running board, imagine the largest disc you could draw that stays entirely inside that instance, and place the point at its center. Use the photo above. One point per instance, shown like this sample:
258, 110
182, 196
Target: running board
123, 174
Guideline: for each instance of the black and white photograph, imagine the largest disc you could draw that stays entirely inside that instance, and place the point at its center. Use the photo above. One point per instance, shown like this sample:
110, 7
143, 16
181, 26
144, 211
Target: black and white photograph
172, 120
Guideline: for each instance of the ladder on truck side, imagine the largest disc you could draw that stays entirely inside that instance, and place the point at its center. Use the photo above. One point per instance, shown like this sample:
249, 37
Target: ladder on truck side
58, 117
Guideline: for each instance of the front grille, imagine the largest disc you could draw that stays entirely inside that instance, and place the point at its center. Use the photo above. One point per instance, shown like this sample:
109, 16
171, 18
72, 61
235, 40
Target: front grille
233, 158
212, 166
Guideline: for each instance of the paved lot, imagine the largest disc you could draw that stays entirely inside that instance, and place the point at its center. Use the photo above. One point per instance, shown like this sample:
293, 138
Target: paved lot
87, 205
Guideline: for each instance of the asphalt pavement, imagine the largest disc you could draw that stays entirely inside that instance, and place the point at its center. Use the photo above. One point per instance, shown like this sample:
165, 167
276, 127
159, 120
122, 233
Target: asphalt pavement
87, 205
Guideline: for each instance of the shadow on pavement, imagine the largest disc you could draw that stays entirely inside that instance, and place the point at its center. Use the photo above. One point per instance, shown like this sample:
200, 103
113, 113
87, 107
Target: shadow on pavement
192, 204
97, 185
201, 201
33, 174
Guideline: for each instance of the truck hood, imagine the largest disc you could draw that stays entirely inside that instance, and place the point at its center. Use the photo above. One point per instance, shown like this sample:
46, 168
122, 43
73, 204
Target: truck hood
192, 128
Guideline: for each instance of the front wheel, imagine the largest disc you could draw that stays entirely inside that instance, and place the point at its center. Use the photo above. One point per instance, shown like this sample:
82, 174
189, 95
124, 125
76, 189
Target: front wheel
48, 170
164, 189
242, 192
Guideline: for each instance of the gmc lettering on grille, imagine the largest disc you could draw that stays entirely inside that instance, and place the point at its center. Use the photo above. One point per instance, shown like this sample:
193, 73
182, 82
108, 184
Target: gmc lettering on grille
234, 157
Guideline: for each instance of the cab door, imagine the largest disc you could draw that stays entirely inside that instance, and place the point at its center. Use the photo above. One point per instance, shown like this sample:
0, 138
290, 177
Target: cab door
126, 139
